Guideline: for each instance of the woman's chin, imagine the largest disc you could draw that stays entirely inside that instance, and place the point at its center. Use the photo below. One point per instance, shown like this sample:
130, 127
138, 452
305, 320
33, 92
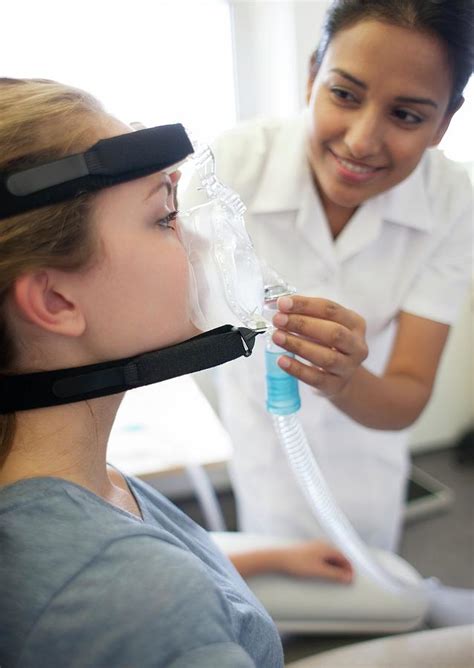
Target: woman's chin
193, 331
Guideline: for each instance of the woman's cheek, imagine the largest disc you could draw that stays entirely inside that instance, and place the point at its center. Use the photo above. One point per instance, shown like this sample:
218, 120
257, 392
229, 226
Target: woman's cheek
181, 288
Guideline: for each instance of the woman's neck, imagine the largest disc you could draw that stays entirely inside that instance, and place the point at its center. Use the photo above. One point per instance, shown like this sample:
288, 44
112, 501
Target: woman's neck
67, 442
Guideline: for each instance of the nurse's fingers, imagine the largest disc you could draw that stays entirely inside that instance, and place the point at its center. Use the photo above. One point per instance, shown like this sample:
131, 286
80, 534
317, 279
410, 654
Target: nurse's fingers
330, 360
335, 573
335, 558
330, 334
324, 309
326, 383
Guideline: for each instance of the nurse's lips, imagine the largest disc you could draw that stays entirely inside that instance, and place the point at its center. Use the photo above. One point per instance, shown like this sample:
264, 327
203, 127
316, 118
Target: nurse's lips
355, 172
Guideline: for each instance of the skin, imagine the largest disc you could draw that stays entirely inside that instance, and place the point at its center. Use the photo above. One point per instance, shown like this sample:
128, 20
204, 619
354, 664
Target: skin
379, 100
131, 298
313, 559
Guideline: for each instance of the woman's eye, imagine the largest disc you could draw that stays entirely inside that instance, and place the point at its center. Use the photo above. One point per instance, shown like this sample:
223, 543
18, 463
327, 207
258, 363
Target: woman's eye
407, 117
343, 95
168, 220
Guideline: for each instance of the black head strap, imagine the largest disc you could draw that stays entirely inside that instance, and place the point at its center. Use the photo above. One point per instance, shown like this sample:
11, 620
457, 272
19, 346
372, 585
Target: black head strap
65, 386
107, 163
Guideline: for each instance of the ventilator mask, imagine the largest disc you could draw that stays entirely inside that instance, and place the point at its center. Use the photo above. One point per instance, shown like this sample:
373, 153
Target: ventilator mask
226, 284
225, 274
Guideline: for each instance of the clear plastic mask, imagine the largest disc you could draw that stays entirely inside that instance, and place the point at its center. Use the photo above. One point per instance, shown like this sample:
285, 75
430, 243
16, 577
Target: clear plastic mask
226, 283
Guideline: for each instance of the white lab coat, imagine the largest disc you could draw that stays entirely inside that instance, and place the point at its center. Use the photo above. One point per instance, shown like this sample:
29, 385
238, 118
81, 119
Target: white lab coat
407, 249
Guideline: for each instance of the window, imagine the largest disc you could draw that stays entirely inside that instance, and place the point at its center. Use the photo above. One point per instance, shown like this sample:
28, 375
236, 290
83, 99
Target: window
158, 61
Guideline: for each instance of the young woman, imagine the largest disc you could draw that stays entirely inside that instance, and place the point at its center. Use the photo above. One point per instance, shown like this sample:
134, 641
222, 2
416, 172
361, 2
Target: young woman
97, 569
352, 204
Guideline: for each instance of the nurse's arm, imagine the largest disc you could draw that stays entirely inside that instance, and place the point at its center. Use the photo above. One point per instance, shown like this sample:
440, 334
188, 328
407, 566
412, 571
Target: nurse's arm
397, 398
332, 339
310, 559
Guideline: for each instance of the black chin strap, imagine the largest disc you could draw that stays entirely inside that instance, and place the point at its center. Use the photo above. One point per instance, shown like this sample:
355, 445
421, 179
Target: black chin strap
65, 386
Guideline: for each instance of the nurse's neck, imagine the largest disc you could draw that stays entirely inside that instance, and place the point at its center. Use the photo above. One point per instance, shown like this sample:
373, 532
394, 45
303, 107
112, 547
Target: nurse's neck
337, 216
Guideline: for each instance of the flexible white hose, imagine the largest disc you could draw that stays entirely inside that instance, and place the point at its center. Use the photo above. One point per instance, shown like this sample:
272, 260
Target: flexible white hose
334, 523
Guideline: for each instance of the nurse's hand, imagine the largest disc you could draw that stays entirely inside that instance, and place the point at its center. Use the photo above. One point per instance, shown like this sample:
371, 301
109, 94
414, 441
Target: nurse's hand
328, 336
315, 559
311, 559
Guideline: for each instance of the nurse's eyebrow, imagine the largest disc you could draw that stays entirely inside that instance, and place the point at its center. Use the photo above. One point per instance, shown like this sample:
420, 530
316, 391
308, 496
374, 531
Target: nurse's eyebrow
416, 100
348, 76
405, 99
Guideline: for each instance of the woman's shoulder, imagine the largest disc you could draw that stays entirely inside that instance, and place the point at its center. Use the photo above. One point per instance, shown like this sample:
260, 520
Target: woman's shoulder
80, 572
136, 601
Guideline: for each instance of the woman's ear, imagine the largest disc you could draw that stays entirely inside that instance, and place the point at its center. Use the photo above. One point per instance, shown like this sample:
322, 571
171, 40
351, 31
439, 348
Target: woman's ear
444, 125
41, 299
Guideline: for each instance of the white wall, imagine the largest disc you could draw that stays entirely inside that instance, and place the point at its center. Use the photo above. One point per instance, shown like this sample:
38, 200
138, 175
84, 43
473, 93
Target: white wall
273, 41
264, 53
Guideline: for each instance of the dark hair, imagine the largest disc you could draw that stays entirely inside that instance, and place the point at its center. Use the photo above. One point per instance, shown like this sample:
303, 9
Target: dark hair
451, 21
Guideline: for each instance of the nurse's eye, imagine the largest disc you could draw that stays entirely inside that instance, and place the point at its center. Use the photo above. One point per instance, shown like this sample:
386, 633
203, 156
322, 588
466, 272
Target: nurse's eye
167, 221
342, 95
407, 117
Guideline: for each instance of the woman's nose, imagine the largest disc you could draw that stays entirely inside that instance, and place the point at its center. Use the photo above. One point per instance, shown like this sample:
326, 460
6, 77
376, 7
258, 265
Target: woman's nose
364, 137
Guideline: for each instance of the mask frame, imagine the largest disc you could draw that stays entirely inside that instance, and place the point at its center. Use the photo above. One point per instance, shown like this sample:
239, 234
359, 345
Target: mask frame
107, 163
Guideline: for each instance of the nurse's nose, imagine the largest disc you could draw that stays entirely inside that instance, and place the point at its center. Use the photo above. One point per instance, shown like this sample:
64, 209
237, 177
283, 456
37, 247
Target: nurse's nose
364, 136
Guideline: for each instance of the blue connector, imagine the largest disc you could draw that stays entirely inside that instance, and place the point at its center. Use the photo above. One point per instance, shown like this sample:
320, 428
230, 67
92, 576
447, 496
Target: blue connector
283, 397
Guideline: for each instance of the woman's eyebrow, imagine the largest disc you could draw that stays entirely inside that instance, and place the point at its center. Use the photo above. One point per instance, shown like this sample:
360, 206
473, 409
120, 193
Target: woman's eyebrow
157, 187
406, 99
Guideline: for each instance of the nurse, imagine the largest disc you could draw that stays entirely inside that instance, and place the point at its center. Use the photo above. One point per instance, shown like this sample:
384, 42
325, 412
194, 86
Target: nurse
353, 205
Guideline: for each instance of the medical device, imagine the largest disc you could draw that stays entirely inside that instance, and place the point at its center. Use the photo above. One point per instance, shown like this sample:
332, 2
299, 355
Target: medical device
226, 279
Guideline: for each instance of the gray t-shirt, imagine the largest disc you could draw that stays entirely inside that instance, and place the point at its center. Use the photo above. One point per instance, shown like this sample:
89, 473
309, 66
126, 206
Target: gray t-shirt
84, 584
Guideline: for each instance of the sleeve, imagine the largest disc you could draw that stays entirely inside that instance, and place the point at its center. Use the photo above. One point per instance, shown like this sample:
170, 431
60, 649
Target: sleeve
440, 286
141, 602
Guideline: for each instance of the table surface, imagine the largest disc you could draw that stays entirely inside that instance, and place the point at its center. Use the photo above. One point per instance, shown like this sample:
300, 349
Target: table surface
165, 428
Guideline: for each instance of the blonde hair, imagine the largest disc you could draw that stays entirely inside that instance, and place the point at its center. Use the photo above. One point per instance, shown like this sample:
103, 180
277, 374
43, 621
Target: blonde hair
41, 120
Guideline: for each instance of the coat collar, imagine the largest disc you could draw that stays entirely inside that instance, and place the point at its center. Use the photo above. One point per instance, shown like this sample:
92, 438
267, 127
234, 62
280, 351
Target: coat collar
285, 178
408, 203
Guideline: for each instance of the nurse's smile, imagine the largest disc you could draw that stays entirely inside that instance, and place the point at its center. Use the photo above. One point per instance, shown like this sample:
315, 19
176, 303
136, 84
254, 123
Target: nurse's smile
352, 171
